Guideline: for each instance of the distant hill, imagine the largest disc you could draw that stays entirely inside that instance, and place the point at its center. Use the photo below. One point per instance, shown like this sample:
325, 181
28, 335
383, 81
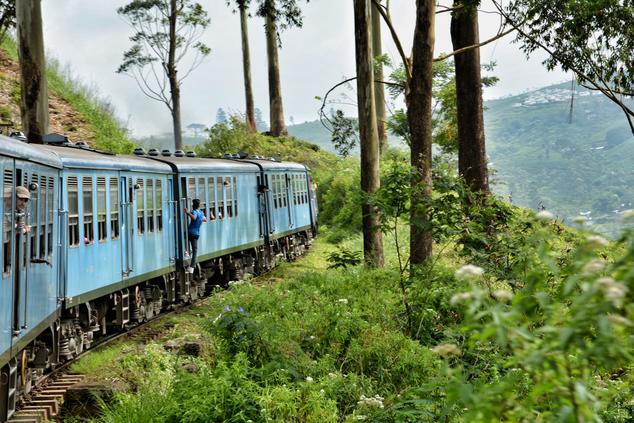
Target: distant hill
543, 159
540, 159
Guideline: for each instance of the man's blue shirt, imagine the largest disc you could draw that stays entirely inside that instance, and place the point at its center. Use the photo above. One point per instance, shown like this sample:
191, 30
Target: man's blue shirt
194, 225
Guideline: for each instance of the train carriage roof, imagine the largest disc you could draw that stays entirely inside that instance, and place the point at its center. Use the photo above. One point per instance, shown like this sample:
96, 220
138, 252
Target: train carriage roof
11, 147
83, 158
197, 165
272, 166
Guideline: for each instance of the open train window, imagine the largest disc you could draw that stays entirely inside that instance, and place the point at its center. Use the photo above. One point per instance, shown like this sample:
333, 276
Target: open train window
159, 205
221, 198
140, 206
34, 217
73, 212
211, 189
149, 192
7, 220
50, 207
114, 208
191, 188
235, 196
202, 195
102, 227
229, 196
276, 191
86, 194
42, 214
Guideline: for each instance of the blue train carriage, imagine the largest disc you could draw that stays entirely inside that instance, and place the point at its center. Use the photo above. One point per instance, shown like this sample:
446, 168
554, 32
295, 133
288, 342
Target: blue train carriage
119, 254
291, 218
231, 238
30, 285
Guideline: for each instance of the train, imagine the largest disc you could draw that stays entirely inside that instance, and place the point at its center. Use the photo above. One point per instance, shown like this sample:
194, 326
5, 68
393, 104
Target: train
102, 243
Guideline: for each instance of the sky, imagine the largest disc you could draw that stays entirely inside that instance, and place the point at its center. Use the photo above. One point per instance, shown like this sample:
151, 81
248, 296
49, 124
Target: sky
89, 38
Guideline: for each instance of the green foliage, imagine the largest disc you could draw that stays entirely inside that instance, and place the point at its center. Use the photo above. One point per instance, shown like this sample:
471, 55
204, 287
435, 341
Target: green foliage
344, 258
594, 39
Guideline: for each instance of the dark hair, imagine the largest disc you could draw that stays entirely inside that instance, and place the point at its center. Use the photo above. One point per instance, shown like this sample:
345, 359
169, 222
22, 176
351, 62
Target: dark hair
195, 203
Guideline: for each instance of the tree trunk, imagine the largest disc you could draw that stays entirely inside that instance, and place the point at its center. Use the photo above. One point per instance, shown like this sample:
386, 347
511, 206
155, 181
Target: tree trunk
419, 115
370, 181
472, 163
172, 75
246, 65
278, 127
34, 104
379, 89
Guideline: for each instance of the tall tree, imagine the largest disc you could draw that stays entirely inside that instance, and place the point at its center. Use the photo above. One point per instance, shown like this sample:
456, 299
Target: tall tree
277, 16
34, 104
370, 180
379, 89
472, 163
419, 115
165, 32
243, 10
276, 106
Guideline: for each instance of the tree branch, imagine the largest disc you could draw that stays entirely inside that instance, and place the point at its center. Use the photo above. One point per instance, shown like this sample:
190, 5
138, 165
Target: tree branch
385, 14
483, 43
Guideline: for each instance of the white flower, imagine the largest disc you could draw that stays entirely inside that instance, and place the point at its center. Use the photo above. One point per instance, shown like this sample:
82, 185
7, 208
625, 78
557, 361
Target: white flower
469, 271
342, 300
332, 375
462, 297
321, 391
309, 379
375, 401
544, 216
580, 220
593, 266
596, 241
503, 295
619, 320
446, 350
360, 417
614, 291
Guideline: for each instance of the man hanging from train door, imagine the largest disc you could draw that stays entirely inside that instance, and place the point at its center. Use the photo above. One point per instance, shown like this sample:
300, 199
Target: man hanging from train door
22, 197
193, 231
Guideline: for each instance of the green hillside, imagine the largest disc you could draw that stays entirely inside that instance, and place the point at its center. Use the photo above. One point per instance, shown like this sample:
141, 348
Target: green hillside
544, 160
540, 159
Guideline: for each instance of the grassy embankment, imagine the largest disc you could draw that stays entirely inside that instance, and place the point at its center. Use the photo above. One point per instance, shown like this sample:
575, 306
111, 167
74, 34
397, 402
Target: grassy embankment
538, 328
77, 110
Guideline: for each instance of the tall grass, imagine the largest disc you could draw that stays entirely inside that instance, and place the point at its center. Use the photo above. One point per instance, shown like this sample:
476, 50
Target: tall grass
97, 111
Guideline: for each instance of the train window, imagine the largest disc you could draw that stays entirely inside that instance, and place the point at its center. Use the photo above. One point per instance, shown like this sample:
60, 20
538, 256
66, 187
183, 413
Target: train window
159, 205
229, 196
41, 250
276, 191
102, 227
202, 196
305, 188
284, 191
7, 221
51, 214
73, 212
140, 206
114, 208
191, 188
221, 198
212, 198
89, 230
235, 196
33, 220
149, 192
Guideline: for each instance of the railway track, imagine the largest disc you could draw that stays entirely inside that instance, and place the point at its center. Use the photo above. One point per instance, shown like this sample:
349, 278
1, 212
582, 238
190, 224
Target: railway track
45, 400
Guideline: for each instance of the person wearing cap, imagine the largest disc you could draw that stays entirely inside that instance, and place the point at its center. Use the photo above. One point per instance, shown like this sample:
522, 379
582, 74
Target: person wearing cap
22, 197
